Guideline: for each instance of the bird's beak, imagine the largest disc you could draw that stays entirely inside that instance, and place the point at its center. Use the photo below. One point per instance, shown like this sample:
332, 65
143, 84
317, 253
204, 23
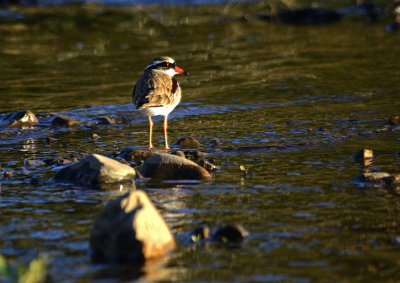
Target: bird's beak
180, 71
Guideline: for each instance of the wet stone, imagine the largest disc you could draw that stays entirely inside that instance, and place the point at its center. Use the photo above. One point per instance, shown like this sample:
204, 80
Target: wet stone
21, 118
200, 233
394, 120
188, 142
130, 229
105, 120
62, 120
229, 234
50, 139
135, 155
208, 166
194, 154
7, 174
32, 164
172, 167
95, 170
380, 179
364, 156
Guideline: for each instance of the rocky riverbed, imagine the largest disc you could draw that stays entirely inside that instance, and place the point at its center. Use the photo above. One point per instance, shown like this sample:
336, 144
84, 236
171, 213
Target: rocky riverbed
284, 160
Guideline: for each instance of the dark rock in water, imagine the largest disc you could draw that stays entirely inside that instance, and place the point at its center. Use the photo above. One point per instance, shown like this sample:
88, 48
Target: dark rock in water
188, 142
364, 156
369, 9
136, 155
106, 120
95, 136
168, 166
62, 120
130, 229
303, 16
50, 139
94, 170
32, 163
200, 233
194, 154
215, 142
21, 118
394, 120
392, 27
380, 179
208, 166
229, 234
7, 174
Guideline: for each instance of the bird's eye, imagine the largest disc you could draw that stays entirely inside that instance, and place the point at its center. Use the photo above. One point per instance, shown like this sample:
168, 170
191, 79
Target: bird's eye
165, 65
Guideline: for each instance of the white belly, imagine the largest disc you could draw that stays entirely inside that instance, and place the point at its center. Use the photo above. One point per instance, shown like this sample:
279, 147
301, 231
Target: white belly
156, 111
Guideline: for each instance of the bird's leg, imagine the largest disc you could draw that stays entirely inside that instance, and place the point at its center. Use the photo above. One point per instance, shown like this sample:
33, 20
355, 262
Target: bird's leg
165, 133
151, 132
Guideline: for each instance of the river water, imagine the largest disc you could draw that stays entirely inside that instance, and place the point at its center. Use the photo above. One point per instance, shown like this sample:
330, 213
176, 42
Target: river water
292, 104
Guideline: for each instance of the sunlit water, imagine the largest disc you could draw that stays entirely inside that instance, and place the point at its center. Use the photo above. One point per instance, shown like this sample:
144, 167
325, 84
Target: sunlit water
291, 104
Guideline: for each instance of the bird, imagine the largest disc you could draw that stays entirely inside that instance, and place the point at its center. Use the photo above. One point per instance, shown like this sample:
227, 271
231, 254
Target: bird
157, 92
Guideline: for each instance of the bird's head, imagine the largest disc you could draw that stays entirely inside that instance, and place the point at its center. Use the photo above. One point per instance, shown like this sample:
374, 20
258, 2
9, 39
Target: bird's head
166, 65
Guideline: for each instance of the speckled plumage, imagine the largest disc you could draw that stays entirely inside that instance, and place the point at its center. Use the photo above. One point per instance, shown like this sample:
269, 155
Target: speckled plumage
157, 92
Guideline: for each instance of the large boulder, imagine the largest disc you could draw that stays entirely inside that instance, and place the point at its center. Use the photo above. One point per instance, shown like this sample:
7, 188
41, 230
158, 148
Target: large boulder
96, 169
130, 229
173, 167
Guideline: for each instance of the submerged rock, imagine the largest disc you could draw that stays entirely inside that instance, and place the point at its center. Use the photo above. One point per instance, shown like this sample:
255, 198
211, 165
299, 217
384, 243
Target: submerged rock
62, 120
200, 233
32, 163
173, 167
303, 16
380, 179
230, 234
130, 229
96, 169
136, 155
394, 120
188, 142
20, 119
208, 166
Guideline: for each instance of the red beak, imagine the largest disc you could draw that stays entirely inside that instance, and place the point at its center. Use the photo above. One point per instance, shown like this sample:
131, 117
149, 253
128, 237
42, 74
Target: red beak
180, 71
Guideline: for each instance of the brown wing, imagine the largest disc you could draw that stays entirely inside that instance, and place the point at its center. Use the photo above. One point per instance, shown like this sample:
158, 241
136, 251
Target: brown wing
154, 88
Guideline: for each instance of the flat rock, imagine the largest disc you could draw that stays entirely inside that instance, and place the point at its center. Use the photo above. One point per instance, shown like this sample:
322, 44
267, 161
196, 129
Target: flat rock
96, 169
173, 167
21, 118
130, 229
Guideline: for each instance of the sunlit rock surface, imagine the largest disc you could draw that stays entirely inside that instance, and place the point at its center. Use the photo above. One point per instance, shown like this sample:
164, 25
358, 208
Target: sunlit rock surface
96, 169
168, 166
130, 229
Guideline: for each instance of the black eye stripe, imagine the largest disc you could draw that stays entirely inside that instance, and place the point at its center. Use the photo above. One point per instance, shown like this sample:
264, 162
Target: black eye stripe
167, 65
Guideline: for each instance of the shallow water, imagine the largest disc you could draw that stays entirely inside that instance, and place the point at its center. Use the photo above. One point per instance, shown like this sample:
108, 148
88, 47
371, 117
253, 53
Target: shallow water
291, 104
